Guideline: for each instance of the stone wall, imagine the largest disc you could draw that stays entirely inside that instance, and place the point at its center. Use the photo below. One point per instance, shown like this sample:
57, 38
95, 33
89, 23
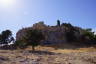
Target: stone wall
53, 34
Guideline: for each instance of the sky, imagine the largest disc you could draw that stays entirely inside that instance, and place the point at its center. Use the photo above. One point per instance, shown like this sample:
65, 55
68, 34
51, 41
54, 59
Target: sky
16, 14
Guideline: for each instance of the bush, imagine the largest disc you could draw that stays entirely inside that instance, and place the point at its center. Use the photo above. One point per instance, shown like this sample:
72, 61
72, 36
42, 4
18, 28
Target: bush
88, 35
95, 38
20, 44
32, 37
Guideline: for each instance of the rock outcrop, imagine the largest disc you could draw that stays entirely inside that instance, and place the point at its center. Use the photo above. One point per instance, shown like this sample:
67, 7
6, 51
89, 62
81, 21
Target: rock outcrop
53, 34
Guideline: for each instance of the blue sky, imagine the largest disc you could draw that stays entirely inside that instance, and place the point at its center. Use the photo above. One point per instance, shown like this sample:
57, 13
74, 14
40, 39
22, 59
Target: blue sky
17, 14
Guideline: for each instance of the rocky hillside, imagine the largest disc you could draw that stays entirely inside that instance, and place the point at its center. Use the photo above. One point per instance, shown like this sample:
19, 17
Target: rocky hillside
53, 34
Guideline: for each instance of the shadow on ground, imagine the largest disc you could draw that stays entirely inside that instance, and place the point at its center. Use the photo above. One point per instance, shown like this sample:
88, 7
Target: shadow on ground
73, 45
41, 52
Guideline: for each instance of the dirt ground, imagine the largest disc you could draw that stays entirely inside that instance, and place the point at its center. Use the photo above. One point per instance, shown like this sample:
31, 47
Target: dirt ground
48, 55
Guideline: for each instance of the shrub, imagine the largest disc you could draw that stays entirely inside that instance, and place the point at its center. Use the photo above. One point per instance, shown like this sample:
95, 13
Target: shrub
20, 44
32, 37
88, 34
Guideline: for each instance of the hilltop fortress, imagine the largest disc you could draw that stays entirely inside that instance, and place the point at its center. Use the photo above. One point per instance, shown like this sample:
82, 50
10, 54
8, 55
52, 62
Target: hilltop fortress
53, 34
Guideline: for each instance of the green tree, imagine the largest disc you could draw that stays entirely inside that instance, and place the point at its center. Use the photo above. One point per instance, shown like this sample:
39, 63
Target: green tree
67, 25
6, 36
58, 22
33, 37
20, 44
0, 39
95, 37
88, 33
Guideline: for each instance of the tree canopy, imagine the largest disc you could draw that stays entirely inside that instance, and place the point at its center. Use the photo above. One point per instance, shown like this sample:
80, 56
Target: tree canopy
32, 37
6, 37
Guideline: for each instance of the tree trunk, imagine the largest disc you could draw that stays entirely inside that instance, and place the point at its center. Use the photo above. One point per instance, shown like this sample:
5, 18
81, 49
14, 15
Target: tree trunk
33, 48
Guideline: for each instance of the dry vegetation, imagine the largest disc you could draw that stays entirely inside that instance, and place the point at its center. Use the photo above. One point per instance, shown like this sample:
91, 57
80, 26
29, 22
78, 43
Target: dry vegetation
49, 55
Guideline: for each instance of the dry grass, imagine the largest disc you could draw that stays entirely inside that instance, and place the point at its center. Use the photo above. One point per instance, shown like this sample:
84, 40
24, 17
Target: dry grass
76, 50
23, 56
64, 50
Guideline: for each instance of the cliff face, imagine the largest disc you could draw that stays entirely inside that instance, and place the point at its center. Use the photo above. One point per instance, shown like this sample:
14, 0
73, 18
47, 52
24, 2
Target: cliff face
53, 34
